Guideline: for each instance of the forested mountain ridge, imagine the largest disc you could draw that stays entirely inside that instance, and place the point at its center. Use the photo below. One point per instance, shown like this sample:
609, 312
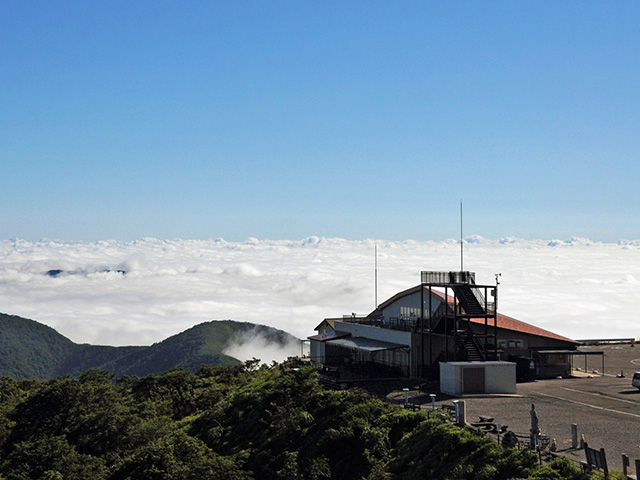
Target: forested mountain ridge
238, 422
31, 350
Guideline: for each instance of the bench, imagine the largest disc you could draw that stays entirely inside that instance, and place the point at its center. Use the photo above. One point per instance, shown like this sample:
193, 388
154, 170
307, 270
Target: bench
485, 425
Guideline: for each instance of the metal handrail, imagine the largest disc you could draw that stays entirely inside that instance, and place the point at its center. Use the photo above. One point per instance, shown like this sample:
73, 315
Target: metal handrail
448, 278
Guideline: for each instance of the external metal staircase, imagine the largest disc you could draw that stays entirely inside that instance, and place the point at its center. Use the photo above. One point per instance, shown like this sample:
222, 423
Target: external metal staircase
470, 348
471, 305
468, 300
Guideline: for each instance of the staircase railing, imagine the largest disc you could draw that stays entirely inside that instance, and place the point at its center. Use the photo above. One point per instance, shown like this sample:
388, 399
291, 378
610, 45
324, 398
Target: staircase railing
469, 339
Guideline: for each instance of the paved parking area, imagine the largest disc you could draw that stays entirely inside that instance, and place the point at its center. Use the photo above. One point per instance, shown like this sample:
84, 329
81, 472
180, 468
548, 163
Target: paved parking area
605, 408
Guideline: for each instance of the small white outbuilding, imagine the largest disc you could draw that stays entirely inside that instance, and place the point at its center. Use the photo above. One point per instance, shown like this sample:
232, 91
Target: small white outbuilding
459, 378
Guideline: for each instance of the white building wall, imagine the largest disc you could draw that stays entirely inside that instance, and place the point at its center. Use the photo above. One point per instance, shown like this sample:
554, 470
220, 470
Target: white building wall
317, 351
450, 379
499, 377
376, 333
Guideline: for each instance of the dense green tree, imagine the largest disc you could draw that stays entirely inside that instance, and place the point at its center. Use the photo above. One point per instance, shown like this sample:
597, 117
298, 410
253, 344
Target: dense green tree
178, 456
89, 411
238, 422
172, 392
439, 449
10, 395
561, 469
51, 457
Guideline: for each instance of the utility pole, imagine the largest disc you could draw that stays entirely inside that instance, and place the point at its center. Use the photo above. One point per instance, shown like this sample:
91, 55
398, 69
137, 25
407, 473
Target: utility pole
461, 243
376, 275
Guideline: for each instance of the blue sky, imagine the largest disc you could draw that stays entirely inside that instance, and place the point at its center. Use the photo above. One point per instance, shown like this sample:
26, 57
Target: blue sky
341, 119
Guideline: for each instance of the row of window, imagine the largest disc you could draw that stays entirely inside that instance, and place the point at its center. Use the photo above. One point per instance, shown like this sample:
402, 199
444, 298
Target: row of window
410, 312
510, 344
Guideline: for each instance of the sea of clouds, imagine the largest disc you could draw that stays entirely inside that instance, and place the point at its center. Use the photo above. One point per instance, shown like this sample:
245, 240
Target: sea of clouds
141, 292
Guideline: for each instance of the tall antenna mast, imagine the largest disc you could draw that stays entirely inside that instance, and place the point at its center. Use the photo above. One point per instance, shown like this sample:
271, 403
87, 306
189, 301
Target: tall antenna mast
376, 274
461, 243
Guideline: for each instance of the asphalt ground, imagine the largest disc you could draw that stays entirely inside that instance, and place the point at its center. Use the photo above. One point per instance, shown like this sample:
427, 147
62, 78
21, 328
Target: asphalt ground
605, 408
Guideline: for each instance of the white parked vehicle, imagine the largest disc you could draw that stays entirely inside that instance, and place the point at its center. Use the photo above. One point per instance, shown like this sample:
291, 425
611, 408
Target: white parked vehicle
636, 380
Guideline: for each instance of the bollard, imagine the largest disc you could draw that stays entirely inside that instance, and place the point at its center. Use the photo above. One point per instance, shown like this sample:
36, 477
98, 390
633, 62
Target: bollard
406, 395
574, 435
433, 400
625, 465
637, 468
461, 415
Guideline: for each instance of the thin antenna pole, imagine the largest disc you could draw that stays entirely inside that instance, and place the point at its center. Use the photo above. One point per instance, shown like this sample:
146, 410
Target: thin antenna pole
376, 274
461, 243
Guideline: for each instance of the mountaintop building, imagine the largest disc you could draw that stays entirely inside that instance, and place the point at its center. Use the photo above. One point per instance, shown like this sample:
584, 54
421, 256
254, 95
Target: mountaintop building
447, 319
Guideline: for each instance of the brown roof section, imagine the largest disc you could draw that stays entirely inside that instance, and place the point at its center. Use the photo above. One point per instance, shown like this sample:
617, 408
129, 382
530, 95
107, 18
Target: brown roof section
324, 337
330, 321
509, 323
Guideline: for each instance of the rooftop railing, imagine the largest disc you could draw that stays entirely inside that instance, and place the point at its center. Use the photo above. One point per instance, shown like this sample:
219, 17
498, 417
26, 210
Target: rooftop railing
444, 278
405, 324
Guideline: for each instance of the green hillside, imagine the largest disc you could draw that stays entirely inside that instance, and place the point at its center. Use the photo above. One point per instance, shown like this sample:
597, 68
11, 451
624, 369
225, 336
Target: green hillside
200, 345
85, 357
30, 350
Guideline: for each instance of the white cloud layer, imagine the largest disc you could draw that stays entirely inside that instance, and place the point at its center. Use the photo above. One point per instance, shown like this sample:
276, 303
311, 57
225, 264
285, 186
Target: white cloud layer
253, 344
577, 288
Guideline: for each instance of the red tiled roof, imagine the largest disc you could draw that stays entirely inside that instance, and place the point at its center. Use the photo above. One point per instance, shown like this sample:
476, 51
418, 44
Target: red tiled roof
509, 323
506, 322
